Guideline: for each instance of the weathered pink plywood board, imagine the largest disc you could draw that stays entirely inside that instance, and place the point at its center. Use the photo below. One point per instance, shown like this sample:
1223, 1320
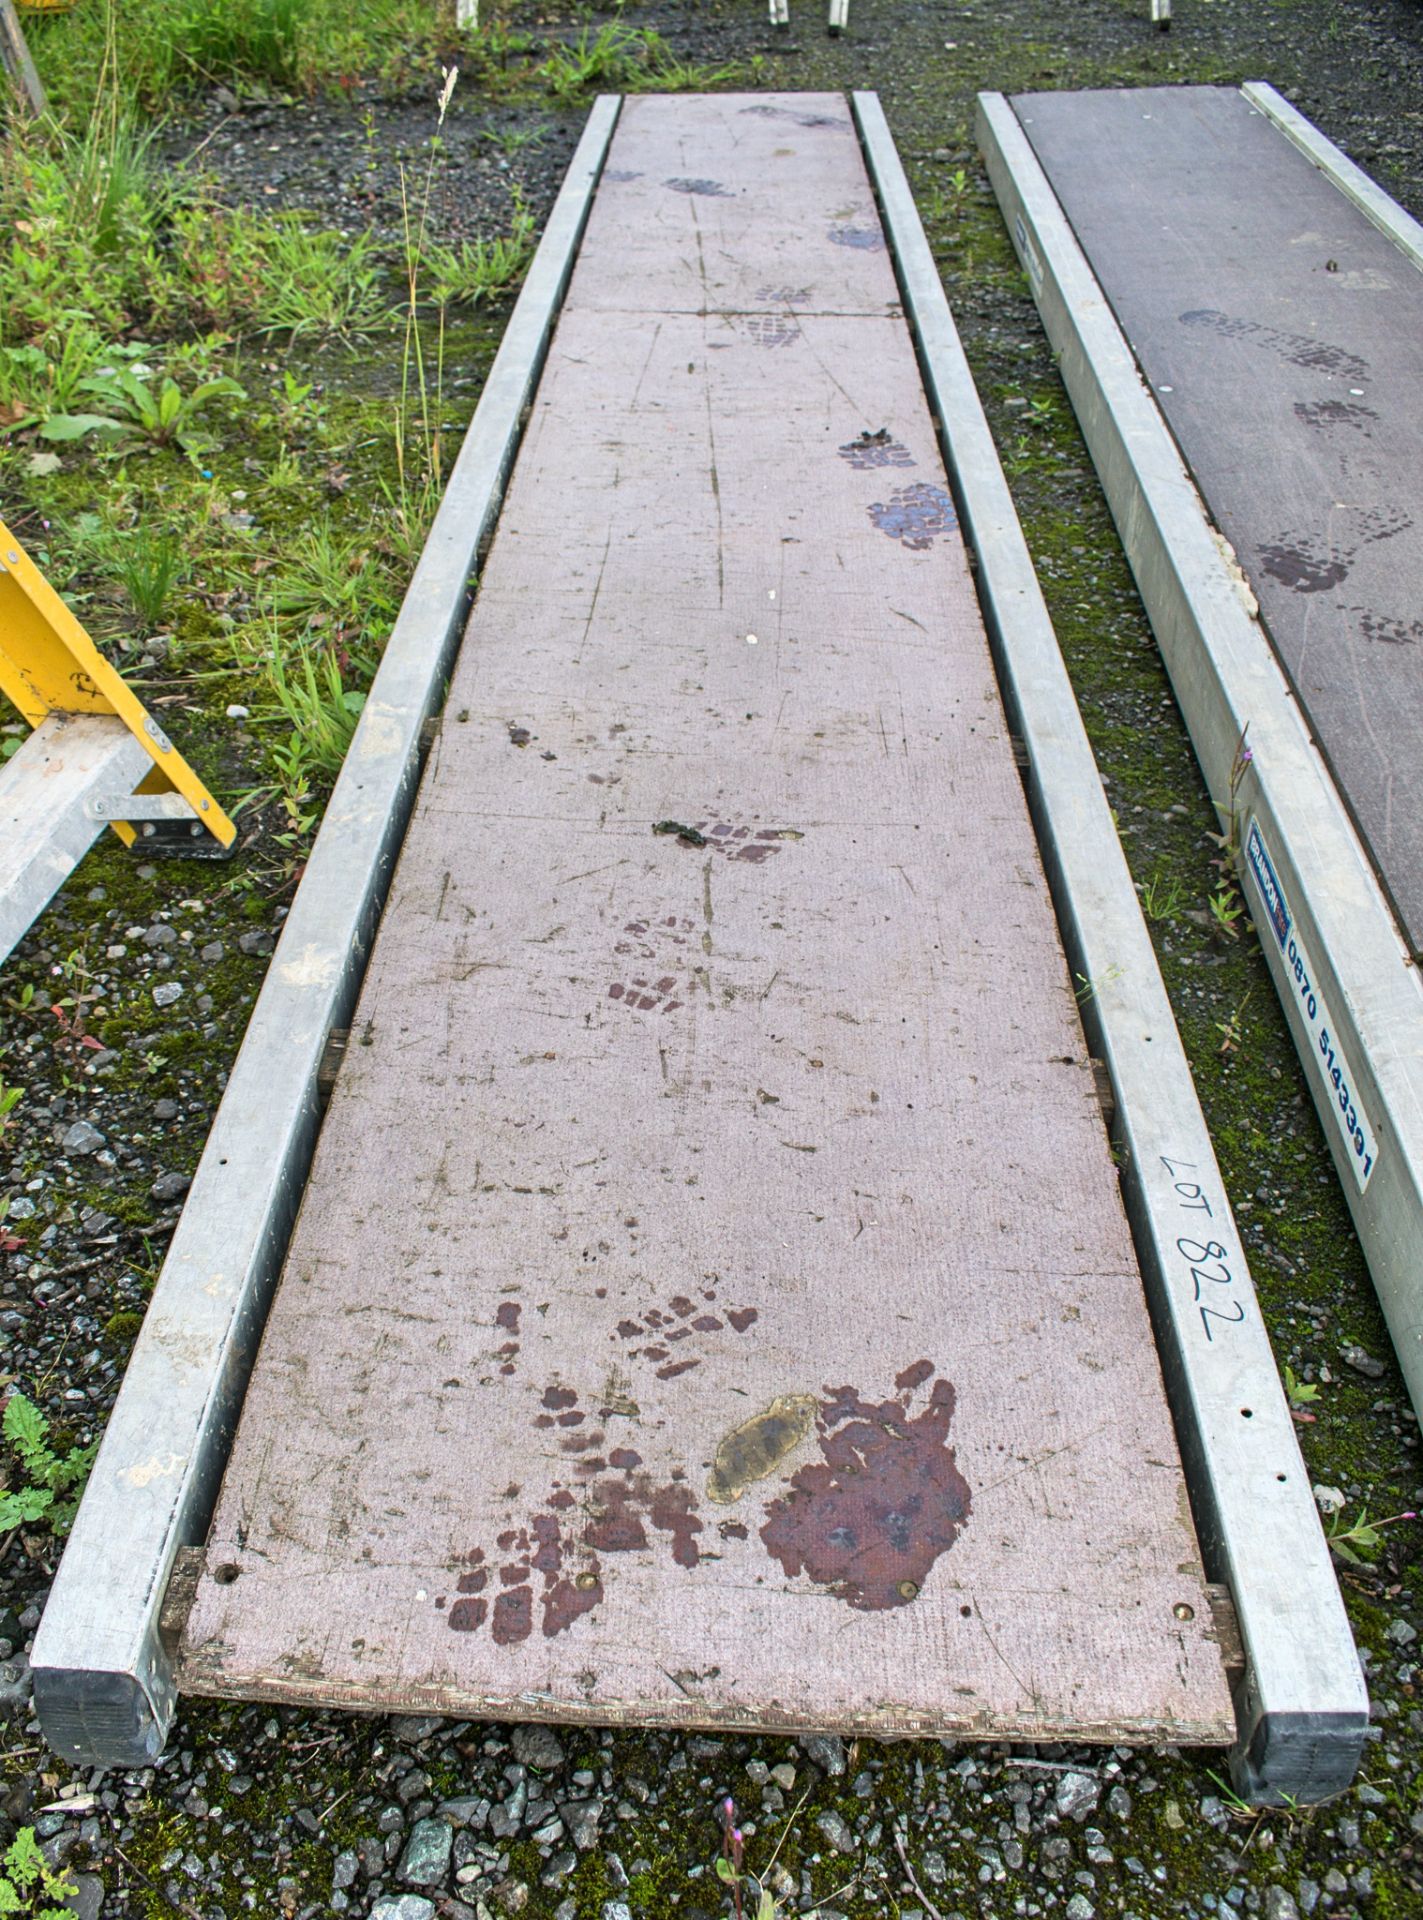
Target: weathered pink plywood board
712, 1301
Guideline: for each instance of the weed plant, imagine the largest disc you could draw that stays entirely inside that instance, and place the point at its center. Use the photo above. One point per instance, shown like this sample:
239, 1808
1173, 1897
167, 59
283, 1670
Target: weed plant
627, 59
480, 270
50, 1483
321, 283
151, 51
28, 1883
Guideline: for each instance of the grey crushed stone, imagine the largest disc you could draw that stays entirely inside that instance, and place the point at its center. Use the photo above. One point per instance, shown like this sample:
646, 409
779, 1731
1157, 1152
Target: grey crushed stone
1076, 1795
827, 1751
836, 1832
403, 1906
538, 1746
426, 1856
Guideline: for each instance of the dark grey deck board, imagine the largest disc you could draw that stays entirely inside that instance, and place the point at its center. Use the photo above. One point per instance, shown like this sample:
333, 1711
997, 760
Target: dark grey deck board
1282, 334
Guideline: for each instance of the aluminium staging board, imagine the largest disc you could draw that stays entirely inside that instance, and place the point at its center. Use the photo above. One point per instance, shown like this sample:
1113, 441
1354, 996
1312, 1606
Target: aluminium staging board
1207, 246
712, 1300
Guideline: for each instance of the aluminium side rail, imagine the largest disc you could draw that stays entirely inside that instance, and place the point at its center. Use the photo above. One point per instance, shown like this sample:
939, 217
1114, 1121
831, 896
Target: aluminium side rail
1331, 943
1370, 198
103, 1674
1301, 1704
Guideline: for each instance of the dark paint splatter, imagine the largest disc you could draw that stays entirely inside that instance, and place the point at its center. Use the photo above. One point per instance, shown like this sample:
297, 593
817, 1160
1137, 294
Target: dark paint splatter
862, 239
557, 1398
508, 1316
707, 189
619, 175
513, 1616
914, 1376
467, 1616
618, 1527
642, 997
870, 1523
743, 1317
680, 1366
1335, 413
765, 111
876, 450
624, 1459
773, 329
915, 516
671, 1512
1302, 568
1385, 629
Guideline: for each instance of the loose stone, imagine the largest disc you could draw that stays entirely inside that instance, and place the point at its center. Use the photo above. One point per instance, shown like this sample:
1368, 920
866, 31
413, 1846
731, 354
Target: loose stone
426, 1859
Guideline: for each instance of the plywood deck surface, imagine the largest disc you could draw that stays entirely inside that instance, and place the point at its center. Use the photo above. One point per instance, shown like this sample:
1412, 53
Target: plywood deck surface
1282, 334
712, 1302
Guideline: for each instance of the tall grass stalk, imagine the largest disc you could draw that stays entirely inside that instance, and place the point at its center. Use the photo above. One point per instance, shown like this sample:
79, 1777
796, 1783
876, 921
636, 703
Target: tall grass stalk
413, 356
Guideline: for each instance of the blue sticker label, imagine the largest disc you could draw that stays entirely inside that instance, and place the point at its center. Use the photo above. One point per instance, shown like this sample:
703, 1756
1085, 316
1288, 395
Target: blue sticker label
1340, 1090
1271, 892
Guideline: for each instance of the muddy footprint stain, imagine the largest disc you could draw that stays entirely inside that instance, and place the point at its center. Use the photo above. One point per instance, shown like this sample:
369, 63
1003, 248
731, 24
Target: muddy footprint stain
860, 239
706, 189
880, 449
870, 1521
915, 516
773, 329
549, 1569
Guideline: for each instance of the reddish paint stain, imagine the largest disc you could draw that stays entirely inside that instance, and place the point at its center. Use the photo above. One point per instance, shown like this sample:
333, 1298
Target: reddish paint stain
561, 1501
743, 1317
707, 1323
571, 1419
618, 1528
557, 1398
672, 1513
681, 1304
680, 1366
508, 1316
466, 1616
513, 1616
624, 1459
914, 1376
871, 1521
733, 1530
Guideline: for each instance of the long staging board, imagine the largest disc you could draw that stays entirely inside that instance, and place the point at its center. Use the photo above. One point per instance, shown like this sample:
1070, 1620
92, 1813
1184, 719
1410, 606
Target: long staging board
1225, 288
712, 1301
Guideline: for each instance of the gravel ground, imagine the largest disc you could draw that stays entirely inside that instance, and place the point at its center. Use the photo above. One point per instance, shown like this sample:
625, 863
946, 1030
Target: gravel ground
398, 1819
